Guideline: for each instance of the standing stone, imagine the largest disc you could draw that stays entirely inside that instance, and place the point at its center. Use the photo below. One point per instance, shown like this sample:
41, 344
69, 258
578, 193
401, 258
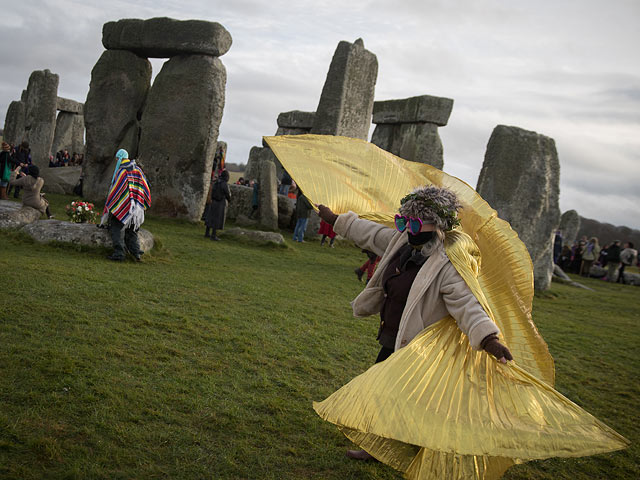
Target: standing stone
14, 123
119, 85
346, 103
408, 128
268, 195
166, 37
69, 133
258, 155
520, 178
569, 225
40, 114
180, 131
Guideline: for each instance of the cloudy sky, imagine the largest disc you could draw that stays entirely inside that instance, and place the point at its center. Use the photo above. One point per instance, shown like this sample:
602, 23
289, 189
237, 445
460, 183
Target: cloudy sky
568, 69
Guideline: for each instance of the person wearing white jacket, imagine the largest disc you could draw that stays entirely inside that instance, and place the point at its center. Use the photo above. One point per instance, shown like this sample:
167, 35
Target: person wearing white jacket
415, 284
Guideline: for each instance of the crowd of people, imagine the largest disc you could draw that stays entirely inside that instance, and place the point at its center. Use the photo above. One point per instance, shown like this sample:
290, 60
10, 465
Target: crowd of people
64, 159
585, 253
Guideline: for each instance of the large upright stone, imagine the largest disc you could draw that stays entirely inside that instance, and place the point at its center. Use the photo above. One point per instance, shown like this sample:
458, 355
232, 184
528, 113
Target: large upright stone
268, 196
569, 225
520, 178
346, 102
40, 114
119, 85
416, 142
165, 37
258, 155
180, 131
69, 133
14, 122
408, 128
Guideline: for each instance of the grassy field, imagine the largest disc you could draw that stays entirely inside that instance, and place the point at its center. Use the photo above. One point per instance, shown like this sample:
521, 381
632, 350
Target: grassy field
203, 361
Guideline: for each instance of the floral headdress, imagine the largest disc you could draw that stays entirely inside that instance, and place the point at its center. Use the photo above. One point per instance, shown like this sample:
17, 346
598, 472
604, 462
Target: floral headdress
432, 205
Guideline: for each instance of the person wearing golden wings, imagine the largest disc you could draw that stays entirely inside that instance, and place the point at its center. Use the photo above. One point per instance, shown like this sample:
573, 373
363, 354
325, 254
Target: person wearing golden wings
454, 291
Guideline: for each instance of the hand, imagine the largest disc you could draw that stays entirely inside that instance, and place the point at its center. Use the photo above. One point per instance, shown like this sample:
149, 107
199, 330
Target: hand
491, 345
326, 214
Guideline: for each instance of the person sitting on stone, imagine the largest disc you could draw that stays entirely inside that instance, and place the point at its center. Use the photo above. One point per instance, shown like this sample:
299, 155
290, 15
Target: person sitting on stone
22, 157
32, 184
128, 198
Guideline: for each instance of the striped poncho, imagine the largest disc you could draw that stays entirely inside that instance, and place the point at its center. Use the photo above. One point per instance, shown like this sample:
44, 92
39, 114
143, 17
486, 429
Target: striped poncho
129, 195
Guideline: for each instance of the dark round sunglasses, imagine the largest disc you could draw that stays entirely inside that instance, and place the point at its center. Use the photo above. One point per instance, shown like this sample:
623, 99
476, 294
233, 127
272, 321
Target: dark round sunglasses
413, 224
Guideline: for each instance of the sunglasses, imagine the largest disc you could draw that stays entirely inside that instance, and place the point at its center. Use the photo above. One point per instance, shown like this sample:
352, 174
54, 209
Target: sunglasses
413, 224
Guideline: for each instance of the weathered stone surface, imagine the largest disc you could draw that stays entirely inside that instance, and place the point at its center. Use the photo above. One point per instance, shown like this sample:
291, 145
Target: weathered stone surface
61, 180
165, 37
240, 204
88, 234
180, 132
40, 114
69, 133
520, 179
422, 109
346, 102
268, 196
256, 235
569, 226
257, 155
14, 123
286, 212
596, 271
119, 85
417, 142
296, 119
15, 215
632, 279
71, 106
289, 131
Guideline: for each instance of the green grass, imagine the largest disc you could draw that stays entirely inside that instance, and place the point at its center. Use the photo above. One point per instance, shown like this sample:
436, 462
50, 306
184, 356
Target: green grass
203, 361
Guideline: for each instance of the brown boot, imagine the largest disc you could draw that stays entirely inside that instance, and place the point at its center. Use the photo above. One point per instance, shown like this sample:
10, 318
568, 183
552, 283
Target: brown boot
3, 193
359, 455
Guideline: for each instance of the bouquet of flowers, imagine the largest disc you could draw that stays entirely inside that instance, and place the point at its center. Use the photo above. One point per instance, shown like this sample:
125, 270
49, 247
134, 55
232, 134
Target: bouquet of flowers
81, 212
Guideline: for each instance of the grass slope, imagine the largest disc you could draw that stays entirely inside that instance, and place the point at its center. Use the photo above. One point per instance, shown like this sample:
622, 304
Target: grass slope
203, 361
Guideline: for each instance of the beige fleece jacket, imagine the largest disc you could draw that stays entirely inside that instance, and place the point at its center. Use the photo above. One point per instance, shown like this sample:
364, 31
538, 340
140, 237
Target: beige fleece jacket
437, 291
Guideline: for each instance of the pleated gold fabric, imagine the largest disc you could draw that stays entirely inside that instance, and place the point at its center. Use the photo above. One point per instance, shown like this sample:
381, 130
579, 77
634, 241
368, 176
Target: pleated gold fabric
437, 408
351, 174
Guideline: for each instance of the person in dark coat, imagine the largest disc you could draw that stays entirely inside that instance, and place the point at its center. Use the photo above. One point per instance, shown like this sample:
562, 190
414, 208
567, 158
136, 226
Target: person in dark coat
217, 200
303, 208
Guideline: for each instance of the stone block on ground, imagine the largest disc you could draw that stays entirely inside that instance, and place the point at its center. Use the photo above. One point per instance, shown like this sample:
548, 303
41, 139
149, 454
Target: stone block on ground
15, 215
70, 106
255, 235
286, 212
520, 178
180, 131
346, 102
240, 204
422, 109
296, 119
120, 82
596, 271
86, 234
416, 142
164, 37
632, 279
40, 114
14, 123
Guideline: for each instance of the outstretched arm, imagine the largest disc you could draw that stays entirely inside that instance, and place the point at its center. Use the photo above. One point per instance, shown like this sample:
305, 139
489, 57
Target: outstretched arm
365, 233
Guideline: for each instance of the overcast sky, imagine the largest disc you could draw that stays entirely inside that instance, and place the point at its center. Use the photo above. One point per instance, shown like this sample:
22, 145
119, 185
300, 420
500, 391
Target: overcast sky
567, 69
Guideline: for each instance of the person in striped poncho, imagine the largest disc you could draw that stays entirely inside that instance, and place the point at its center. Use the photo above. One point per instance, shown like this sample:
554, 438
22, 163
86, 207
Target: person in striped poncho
129, 196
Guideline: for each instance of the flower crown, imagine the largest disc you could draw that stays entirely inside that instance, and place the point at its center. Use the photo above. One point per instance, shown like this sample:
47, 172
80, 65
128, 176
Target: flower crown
446, 214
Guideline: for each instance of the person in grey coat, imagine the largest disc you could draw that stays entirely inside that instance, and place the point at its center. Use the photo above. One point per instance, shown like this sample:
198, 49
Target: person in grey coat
217, 199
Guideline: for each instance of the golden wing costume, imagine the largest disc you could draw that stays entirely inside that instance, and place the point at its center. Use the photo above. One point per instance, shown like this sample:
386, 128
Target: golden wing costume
437, 408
